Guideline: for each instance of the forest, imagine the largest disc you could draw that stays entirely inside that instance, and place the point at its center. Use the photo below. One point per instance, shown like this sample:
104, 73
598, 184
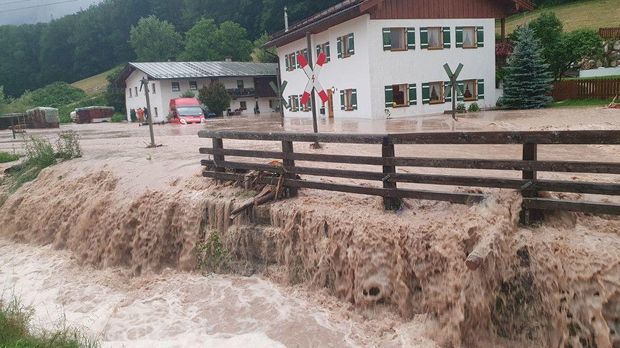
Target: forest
97, 39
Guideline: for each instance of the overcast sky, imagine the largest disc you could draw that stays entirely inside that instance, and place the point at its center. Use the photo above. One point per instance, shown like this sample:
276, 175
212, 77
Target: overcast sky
33, 11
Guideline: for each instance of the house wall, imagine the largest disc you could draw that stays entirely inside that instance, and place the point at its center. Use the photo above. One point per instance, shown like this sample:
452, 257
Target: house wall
372, 68
338, 74
162, 94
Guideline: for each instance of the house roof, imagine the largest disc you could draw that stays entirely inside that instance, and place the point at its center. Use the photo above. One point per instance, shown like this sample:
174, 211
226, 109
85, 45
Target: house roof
184, 70
346, 10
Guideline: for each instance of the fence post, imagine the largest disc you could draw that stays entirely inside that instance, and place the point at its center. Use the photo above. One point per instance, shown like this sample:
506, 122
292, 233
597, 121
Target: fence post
218, 144
529, 216
387, 151
289, 165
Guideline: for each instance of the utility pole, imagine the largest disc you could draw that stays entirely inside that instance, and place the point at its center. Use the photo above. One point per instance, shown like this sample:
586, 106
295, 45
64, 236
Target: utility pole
145, 85
315, 125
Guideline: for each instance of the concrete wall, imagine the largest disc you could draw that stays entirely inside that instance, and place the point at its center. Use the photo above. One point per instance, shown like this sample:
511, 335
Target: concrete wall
372, 68
600, 72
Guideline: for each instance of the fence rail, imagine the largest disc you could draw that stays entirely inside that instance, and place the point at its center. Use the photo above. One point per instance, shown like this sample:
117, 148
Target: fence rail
585, 89
609, 33
289, 173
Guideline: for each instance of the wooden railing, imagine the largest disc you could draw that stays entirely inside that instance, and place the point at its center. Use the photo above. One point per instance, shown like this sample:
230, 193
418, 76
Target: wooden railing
609, 33
529, 165
586, 89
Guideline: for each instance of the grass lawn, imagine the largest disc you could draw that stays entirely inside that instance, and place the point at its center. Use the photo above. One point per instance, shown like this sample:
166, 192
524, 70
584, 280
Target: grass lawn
580, 103
592, 14
95, 84
6, 157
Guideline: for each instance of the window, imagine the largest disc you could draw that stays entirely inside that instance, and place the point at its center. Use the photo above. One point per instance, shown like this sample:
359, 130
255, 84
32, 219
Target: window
323, 48
243, 105
156, 112
293, 102
291, 61
193, 85
469, 89
469, 37
176, 87
153, 90
348, 99
400, 95
240, 84
435, 38
346, 46
130, 93
305, 107
433, 92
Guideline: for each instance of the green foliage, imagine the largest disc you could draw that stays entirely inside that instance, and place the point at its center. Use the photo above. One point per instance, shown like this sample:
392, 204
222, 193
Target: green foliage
64, 111
207, 41
55, 95
154, 40
6, 157
114, 96
68, 145
261, 54
473, 107
188, 94
40, 152
118, 118
212, 255
561, 50
215, 97
460, 108
581, 103
528, 81
15, 331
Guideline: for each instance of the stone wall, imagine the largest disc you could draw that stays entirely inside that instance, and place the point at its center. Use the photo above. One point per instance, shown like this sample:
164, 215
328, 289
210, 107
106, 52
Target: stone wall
611, 59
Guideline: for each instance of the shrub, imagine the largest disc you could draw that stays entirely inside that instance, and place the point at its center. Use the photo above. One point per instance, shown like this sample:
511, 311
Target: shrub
212, 255
6, 157
188, 94
68, 145
460, 108
56, 95
118, 118
473, 107
40, 152
215, 97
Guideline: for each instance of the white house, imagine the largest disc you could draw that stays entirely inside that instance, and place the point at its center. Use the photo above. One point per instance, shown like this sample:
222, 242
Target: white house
247, 83
385, 57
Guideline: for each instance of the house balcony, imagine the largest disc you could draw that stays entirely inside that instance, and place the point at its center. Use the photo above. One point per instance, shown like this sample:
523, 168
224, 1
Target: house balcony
242, 92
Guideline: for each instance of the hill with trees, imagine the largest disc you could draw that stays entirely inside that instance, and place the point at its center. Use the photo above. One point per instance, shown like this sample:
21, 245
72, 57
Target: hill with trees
97, 39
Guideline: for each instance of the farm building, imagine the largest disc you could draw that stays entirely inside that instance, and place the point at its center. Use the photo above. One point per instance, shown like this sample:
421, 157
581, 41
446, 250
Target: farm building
247, 83
385, 58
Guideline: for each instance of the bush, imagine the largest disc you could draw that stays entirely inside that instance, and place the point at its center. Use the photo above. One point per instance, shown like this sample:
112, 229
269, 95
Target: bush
68, 145
212, 255
56, 95
473, 107
118, 118
40, 152
215, 97
460, 108
188, 94
6, 157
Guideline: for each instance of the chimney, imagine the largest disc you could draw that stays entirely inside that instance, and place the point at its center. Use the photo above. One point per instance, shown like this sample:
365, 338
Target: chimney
285, 19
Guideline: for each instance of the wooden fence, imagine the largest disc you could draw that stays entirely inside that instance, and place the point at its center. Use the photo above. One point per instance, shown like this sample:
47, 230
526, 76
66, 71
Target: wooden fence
529, 185
609, 33
585, 89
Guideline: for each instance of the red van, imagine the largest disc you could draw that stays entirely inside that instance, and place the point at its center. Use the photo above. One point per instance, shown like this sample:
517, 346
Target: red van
185, 111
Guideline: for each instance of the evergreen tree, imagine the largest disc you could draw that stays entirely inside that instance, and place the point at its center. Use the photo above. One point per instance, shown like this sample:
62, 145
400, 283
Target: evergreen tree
215, 97
528, 79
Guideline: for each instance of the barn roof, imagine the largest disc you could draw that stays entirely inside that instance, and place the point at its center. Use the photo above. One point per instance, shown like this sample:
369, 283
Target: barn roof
185, 70
349, 9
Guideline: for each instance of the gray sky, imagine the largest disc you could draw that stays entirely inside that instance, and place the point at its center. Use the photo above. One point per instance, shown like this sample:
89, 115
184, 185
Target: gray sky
33, 11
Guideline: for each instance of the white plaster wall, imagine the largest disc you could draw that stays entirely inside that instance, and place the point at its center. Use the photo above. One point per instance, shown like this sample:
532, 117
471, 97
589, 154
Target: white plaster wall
338, 74
422, 65
371, 68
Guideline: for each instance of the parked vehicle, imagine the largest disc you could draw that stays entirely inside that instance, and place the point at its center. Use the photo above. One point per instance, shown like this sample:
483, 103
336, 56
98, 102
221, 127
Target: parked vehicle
185, 111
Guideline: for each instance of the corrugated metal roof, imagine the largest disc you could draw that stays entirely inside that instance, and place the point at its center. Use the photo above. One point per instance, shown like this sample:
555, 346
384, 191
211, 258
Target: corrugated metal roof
179, 70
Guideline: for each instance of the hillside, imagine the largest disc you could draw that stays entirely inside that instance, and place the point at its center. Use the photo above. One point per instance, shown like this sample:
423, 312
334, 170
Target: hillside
592, 14
95, 84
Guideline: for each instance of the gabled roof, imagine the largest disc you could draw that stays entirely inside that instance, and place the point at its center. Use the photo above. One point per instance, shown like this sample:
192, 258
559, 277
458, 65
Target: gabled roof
185, 70
349, 9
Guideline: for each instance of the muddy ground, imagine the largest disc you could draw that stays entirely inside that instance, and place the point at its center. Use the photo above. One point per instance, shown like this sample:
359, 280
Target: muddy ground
133, 217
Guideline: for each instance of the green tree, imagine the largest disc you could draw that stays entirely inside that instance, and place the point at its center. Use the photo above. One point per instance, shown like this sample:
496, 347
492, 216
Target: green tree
154, 40
206, 41
262, 54
549, 30
215, 97
574, 47
115, 96
528, 80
